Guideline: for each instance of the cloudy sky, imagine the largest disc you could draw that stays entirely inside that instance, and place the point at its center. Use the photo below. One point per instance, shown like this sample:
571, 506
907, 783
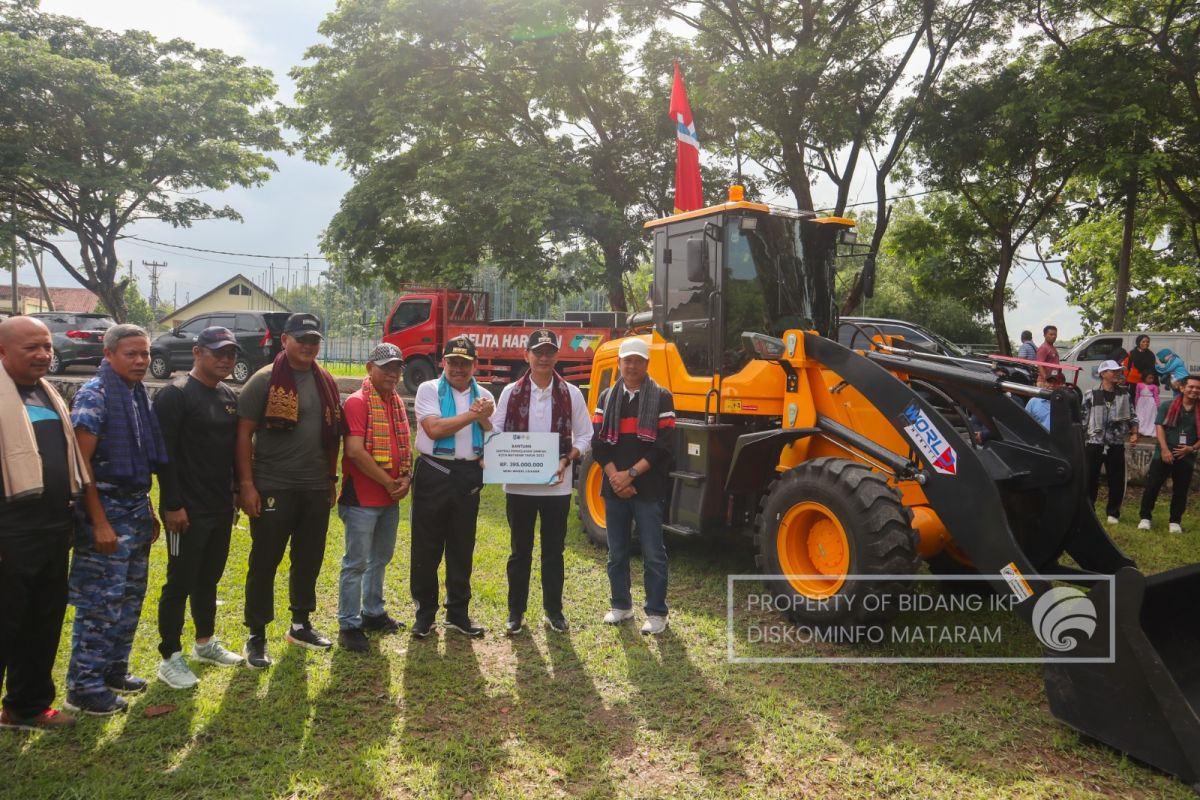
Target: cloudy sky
285, 216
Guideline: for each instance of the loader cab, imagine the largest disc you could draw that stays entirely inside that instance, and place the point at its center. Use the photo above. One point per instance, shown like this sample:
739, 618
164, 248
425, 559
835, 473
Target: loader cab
737, 268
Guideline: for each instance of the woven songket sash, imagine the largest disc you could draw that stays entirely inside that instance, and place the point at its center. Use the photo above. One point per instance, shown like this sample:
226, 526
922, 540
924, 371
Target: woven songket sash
516, 414
382, 419
283, 403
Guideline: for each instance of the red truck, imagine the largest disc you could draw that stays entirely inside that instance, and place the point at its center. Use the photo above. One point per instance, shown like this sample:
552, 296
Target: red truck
423, 320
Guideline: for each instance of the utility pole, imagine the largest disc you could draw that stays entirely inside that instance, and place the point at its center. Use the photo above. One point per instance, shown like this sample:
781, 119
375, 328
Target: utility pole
154, 266
16, 301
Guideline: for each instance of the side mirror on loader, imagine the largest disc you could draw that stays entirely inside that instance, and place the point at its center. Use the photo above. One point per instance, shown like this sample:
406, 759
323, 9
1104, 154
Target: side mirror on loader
868, 277
697, 261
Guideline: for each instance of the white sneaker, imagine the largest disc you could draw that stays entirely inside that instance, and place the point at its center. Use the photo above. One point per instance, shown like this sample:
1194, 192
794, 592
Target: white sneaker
1176, 528
654, 625
212, 652
1144, 525
616, 615
174, 672
1113, 520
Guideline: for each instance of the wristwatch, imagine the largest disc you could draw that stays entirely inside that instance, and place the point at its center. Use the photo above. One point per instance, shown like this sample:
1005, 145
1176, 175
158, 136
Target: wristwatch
633, 472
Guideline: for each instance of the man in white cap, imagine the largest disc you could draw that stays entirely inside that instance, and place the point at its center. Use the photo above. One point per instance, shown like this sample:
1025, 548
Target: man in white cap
1110, 422
634, 444
376, 470
541, 401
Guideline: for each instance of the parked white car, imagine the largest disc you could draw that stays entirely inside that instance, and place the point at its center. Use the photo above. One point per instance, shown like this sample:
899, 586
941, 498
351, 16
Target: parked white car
1091, 350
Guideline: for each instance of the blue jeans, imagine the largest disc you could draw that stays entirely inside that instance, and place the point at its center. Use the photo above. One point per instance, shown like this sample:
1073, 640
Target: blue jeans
620, 515
370, 542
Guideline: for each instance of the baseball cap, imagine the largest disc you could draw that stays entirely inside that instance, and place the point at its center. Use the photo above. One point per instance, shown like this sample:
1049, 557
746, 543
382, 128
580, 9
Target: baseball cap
1054, 375
385, 353
634, 347
303, 324
1108, 366
460, 347
541, 338
216, 337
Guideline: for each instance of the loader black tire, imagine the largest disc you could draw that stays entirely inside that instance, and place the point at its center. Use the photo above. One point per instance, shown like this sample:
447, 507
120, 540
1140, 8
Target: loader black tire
834, 517
591, 504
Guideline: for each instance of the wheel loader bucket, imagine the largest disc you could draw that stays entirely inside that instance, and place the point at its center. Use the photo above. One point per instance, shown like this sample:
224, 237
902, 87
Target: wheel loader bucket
1144, 701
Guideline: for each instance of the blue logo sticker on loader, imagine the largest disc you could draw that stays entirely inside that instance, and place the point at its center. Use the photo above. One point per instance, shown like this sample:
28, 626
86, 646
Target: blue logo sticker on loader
930, 441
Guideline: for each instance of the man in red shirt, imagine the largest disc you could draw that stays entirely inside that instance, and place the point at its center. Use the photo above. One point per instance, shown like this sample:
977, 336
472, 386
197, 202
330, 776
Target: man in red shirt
376, 465
1047, 351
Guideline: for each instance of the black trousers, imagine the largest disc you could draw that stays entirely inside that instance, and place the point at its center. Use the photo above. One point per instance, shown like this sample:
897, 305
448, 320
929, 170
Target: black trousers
1180, 473
523, 512
445, 505
1113, 462
33, 599
195, 563
301, 515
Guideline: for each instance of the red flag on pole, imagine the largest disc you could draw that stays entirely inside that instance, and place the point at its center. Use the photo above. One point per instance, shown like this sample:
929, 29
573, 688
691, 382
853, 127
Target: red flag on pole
688, 195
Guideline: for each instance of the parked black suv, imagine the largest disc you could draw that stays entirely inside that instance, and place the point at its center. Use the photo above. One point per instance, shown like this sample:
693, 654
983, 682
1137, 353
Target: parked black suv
77, 338
257, 332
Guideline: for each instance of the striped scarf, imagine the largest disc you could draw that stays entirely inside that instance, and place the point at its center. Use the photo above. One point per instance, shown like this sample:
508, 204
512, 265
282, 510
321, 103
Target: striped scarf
384, 419
283, 402
1174, 411
647, 418
516, 414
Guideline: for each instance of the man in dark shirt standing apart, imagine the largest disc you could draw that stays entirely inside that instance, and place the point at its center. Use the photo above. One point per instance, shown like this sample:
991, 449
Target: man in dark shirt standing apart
376, 470
198, 417
634, 445
42, 471
1046, 350
287, 449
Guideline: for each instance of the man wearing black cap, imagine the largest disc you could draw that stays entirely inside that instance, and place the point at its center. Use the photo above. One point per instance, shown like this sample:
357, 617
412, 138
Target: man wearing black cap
376, 470
198, 417
287, 448
541, 401
453, 412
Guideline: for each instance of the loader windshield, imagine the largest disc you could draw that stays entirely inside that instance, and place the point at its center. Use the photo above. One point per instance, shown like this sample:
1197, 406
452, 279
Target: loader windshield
777, 275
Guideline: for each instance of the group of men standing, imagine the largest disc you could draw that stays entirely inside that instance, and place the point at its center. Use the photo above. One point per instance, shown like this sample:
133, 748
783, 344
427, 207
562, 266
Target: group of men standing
81, 479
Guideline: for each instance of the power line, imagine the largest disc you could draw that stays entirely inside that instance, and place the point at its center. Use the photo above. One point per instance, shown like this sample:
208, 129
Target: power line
886, 199
220, 252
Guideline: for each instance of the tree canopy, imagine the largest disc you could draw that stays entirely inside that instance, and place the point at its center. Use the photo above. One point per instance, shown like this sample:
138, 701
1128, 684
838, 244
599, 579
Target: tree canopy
533, 136
103, 129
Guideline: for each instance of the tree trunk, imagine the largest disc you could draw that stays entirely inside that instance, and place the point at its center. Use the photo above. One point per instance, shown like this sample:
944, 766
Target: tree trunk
1131, 199
37, 268
113, 298
614, 273
1005, 266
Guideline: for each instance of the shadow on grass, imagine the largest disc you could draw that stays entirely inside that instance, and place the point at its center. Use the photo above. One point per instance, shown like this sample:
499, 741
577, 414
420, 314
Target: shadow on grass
558, 708
451, 734
272, 727
352, 722
673, 696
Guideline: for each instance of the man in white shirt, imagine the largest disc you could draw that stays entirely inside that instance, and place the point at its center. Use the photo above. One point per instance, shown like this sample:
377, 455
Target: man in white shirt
540, 402
453, 414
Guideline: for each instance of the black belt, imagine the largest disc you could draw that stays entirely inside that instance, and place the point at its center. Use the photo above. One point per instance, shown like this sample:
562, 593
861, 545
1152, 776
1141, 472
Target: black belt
443, 465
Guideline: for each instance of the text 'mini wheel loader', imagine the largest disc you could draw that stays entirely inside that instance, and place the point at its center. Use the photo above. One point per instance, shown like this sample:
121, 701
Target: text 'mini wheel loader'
846, 463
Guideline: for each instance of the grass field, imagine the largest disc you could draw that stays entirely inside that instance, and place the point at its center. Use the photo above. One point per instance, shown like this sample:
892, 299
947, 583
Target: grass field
601, 712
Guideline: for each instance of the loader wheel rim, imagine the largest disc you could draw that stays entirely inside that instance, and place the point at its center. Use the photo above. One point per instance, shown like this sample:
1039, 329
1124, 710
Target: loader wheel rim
594, 500
811, 542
